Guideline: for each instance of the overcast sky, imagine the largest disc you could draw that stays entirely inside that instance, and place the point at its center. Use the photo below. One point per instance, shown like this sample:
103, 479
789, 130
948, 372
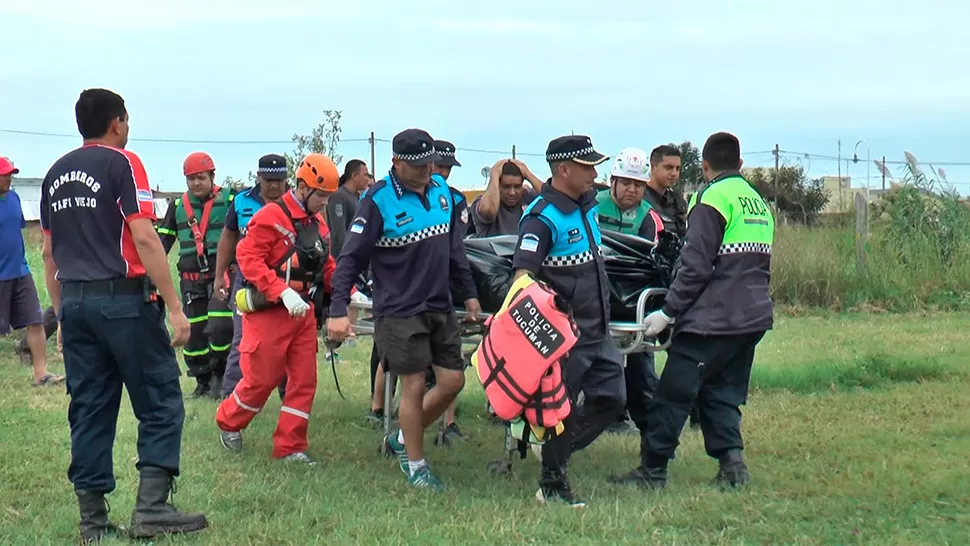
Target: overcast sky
487, 75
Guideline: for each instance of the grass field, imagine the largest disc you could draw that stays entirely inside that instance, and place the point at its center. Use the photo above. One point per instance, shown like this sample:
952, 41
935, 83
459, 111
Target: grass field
857, 430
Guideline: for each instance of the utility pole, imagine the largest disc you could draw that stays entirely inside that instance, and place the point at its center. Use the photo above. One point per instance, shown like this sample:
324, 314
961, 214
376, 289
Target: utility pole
372, 146
776, 152
841, 204
883, 171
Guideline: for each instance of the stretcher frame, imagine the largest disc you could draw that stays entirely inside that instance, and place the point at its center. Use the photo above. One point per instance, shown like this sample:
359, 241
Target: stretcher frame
630, 338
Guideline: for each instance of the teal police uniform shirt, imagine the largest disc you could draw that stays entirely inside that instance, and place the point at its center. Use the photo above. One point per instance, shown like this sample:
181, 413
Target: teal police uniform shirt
559, 242
412, 245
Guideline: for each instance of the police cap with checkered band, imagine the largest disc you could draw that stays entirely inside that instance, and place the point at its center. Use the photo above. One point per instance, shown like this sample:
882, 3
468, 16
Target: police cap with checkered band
272, 167
415, 146
447, 152
578, 148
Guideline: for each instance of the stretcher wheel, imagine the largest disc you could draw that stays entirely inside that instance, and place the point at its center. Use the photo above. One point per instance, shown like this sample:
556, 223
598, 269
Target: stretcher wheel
499, 467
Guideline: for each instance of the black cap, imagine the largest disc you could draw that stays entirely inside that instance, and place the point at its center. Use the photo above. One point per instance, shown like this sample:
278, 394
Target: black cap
578, 148
447, 152
415, 146
272, 167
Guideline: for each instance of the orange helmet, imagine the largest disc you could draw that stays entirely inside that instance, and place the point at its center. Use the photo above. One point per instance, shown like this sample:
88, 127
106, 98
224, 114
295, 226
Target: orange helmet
198, 162
318, 171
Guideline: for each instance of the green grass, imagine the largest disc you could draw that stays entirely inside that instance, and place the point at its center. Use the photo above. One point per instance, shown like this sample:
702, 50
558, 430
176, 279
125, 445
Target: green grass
857, 432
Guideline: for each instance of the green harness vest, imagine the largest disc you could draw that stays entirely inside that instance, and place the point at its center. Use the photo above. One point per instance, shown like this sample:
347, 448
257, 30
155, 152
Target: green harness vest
188, 254
613, 219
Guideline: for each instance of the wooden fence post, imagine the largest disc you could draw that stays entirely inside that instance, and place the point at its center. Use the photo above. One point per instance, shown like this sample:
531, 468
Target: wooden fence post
861, 231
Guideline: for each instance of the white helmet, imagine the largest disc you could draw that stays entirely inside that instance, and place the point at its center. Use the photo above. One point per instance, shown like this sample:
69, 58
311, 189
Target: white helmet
631, 163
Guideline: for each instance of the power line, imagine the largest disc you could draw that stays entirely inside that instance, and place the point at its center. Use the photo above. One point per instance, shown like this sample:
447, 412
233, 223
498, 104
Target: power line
172, 140
809, 155
805, 155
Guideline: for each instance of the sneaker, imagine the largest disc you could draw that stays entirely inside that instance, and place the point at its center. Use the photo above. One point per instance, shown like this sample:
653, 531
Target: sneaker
396, 449
231, 440
424, 479
376, 417
300, 457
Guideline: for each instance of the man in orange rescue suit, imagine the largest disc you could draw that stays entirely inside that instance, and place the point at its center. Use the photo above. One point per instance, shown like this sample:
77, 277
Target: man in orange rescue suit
196, 220
285, 259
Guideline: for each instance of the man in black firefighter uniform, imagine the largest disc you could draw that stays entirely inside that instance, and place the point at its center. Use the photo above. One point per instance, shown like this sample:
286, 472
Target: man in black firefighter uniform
720, 308
196, 220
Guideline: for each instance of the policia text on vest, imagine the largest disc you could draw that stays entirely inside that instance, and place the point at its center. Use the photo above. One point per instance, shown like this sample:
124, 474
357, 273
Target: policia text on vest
197, 226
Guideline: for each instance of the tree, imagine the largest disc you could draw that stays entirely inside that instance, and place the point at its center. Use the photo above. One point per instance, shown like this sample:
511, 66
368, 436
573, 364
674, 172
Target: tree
691, 175
797, 197
323, 139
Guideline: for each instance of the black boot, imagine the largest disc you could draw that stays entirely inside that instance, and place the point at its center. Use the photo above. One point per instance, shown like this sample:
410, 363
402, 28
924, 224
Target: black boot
651, 474
94, 517
215, 387
732, 472
202, 386
153, 514
554, 488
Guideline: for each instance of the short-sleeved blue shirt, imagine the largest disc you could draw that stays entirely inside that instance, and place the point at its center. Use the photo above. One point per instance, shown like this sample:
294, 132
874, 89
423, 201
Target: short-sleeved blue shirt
13, 257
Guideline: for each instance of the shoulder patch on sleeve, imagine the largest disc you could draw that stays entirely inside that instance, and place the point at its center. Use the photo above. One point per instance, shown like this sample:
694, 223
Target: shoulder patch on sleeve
530, 242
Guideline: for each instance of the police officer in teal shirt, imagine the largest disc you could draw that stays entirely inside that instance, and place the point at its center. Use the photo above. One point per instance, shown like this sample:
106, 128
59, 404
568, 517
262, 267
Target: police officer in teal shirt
559, 243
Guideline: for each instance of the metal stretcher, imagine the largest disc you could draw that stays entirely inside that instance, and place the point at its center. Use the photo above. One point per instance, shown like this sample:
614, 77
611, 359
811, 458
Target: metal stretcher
630, 338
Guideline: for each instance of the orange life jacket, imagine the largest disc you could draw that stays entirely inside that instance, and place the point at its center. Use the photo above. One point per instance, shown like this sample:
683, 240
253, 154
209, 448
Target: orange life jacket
519, 360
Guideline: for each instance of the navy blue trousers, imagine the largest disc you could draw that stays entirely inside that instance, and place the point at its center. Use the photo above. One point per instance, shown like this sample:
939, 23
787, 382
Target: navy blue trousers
110, 342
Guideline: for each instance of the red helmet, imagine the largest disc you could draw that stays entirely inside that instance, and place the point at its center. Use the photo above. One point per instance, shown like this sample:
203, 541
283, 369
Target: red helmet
198, 162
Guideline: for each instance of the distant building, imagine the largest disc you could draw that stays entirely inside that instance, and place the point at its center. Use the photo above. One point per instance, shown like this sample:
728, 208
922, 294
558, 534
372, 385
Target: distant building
29, 191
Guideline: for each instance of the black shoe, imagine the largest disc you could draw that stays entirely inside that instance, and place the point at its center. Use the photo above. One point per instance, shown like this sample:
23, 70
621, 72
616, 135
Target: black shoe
624, 428
95, 524
554, 488
215, 388
646, 477
202, 387
732, 472
153, 514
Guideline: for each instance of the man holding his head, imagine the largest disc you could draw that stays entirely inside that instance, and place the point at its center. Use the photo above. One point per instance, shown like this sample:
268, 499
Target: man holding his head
497, 211
720, 308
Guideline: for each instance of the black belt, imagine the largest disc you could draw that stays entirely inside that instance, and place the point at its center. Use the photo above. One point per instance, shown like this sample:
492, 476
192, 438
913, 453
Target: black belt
114, 287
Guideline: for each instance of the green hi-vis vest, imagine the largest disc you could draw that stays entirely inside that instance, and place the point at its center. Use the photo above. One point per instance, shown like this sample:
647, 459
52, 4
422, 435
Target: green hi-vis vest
613, 219
216, 223
749, 224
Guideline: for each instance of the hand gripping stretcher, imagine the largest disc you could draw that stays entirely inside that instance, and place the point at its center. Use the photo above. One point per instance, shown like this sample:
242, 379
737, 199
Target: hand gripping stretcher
630, 338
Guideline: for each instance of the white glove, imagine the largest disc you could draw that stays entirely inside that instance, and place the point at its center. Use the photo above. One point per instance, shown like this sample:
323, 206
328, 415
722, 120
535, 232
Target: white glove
294, 303
358, 297
656, 322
